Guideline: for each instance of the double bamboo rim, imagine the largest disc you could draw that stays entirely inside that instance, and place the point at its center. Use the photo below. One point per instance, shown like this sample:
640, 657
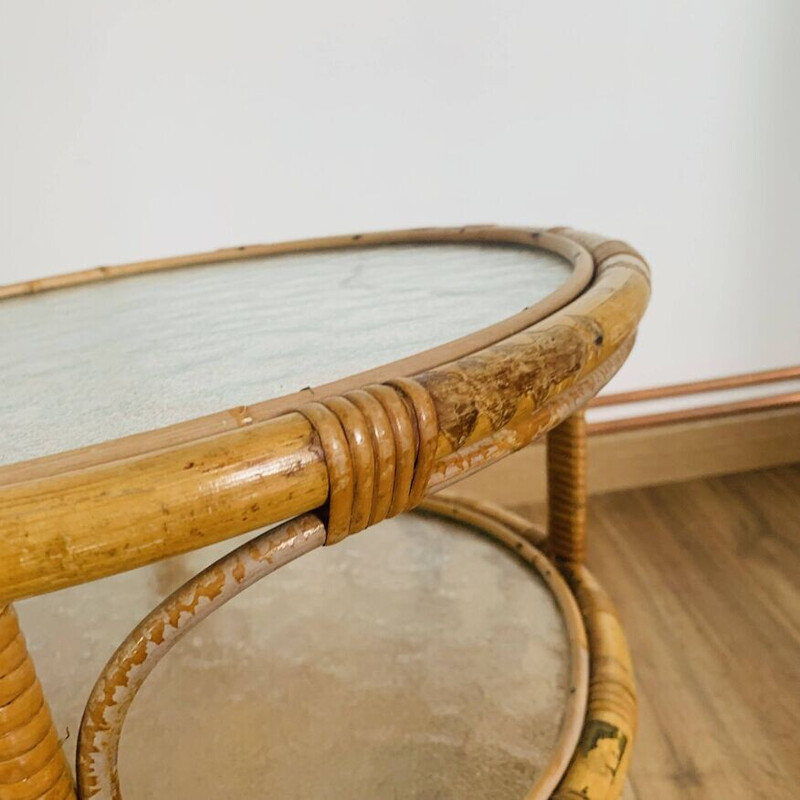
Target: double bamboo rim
139, 444
453, 410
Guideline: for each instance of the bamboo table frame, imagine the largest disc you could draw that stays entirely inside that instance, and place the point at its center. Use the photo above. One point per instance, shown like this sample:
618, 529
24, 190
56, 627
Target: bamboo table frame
339, 458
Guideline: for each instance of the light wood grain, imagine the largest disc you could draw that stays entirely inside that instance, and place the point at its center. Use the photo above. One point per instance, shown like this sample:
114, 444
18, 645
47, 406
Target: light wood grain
134, 513
706, 576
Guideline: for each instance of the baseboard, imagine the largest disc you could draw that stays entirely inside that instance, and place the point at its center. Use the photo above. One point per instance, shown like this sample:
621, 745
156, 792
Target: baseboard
628, 459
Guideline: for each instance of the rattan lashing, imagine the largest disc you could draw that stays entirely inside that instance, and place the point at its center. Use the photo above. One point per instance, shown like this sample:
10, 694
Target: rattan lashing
379, 445
382, 445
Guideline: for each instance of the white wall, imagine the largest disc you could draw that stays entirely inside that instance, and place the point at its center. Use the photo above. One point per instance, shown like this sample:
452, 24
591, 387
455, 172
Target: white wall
134, 130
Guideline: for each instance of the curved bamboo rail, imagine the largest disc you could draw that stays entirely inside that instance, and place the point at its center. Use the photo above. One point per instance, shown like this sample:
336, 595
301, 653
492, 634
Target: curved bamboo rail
600, 762
354, 451
154, 637
65, 528
597, 758
159, 631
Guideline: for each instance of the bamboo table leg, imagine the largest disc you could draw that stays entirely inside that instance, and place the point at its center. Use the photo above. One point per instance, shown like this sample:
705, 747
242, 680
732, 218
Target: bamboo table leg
566, 487
597, 770
32, 764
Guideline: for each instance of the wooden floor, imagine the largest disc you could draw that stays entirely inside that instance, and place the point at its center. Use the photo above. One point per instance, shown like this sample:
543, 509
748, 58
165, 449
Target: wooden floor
706, 575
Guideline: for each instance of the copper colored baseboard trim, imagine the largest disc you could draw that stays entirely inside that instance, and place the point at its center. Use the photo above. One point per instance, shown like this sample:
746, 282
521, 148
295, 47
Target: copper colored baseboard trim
696, 414
698, 387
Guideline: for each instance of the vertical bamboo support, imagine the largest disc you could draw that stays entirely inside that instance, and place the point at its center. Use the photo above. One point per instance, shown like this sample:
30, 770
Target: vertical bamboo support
32, 764
566, 490
600, 762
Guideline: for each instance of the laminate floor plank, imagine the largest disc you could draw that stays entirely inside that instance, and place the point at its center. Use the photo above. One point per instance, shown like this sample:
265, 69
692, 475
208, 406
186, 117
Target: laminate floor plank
706, 575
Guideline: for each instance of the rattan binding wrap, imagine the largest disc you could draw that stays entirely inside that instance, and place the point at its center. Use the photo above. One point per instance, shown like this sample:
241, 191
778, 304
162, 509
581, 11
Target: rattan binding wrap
32, 764
493, 393
379, 444
382, 445
566, 486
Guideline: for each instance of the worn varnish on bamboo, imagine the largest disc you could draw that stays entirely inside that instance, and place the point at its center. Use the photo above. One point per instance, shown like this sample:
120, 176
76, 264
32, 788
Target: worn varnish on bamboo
419, 659
194, 483
352, 451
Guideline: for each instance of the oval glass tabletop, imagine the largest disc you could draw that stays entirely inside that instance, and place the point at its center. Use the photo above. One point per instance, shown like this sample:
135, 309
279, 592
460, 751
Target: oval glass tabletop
95, 362
419, 660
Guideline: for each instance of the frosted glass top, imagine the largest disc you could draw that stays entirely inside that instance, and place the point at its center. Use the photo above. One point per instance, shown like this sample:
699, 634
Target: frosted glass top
91, 363
414, 660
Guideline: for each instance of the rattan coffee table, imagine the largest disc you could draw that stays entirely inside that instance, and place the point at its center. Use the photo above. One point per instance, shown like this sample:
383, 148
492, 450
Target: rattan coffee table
285, 397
